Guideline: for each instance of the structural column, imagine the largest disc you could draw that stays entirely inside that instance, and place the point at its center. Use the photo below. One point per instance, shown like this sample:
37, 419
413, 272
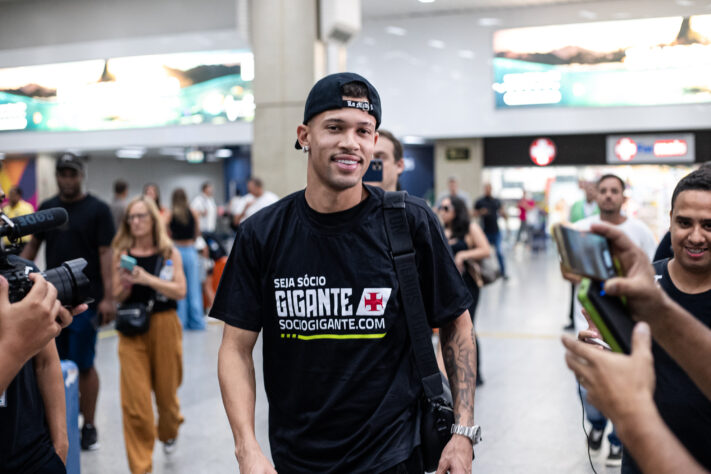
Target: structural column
288, 59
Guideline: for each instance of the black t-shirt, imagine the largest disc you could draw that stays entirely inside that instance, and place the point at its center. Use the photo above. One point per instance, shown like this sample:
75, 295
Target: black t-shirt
490, 220
90, 226
682, 406
664, 250
338, 369
25, 444
143, 293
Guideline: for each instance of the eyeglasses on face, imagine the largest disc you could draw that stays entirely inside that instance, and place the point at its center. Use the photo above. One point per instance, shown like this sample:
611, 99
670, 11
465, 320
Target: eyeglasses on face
445, 208
141, 216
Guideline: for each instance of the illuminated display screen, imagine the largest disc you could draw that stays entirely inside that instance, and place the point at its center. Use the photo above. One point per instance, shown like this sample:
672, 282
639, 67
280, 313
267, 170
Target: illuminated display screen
653, 61
133, 92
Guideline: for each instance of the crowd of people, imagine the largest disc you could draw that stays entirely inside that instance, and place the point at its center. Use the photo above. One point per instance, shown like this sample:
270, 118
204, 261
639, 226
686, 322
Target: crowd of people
343, 380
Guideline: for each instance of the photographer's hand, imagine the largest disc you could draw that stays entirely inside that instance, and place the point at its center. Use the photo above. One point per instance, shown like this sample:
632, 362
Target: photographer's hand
28, 325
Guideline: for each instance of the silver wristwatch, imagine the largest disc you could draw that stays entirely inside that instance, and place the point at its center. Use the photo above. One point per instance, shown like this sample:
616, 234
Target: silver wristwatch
471, 432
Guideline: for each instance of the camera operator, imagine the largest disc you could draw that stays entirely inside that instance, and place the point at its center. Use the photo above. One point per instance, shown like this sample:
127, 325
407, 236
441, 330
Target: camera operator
623, 386
33, 432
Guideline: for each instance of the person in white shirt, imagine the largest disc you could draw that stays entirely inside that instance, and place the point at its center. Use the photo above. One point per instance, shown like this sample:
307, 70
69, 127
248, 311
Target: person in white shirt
610, 197
256, 200
204, 205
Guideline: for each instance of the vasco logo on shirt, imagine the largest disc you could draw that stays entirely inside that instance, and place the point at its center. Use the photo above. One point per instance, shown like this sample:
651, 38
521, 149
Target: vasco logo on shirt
307, 313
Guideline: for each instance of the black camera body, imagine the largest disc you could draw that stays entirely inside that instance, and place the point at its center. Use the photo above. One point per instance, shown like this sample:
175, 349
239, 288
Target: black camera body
69, 279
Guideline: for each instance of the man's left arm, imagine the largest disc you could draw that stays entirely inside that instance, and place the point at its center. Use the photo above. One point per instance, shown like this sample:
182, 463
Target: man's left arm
459, 351
51, 386
107, 306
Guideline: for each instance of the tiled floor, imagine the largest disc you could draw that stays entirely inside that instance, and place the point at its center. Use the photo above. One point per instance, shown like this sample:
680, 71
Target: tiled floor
528, 406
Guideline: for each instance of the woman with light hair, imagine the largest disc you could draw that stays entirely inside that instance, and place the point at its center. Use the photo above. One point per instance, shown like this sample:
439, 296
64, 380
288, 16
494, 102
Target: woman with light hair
150, 361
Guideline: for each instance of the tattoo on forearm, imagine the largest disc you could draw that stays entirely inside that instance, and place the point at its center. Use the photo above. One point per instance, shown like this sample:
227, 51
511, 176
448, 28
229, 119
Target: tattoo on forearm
459, 352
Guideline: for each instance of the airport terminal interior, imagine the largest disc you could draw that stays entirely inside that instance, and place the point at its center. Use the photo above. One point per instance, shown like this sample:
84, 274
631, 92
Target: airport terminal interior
532, 101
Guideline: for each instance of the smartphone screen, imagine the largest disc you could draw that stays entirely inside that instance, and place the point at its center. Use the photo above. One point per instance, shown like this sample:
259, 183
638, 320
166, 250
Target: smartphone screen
374, 174
584, 253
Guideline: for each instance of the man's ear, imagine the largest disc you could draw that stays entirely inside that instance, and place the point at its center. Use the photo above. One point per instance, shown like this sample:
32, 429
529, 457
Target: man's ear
400, 165
302, 134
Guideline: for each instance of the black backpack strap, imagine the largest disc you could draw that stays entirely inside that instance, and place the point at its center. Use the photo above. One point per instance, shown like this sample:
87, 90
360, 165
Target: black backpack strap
403, 254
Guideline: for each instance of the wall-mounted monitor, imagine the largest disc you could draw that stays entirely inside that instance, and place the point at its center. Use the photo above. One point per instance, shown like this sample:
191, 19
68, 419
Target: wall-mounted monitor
653, 61
210, 87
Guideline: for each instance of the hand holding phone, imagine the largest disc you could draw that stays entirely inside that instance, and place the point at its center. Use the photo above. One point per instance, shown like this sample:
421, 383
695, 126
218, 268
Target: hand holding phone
128, 262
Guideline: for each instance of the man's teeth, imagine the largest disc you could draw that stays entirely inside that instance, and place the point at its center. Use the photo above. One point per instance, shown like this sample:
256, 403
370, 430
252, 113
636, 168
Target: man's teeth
695, 250
347, 162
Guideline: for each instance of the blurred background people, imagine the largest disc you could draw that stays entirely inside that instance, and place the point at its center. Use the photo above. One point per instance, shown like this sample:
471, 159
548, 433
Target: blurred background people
205, 207
389, 150
16, 206
87, 235
184, 230
453, 190
489, 209
256, 199
118, 205
525, 205
152, 190
468, 243
151, 363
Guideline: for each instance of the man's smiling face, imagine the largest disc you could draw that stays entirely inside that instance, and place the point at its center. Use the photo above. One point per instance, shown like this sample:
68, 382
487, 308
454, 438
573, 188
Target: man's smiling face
691, 230
342, 143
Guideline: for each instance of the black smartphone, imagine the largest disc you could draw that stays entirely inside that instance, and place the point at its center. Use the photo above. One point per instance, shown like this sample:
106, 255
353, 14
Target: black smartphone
374, 174
584, 253
609, 314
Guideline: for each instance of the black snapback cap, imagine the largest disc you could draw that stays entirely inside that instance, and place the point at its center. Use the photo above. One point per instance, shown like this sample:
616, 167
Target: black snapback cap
71, 161
326, 95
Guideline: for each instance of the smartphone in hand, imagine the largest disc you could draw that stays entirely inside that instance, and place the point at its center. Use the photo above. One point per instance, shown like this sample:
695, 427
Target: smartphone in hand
128, 262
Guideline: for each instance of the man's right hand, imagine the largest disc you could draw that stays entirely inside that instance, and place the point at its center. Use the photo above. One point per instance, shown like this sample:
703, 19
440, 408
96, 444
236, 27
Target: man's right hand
254, 462
644, 297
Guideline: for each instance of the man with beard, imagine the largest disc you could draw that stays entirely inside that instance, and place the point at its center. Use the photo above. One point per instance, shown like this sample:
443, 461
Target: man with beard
87, 235
610, 197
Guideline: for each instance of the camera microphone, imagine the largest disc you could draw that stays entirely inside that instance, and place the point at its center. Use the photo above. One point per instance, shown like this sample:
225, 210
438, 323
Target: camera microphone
32, 223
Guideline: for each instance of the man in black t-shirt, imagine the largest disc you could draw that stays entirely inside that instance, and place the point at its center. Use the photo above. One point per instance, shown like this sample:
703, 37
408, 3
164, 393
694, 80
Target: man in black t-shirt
489, 209
87, 235
686, 278
313, 272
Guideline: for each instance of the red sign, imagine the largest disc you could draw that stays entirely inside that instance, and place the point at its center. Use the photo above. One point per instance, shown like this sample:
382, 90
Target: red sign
542, 151
625, 149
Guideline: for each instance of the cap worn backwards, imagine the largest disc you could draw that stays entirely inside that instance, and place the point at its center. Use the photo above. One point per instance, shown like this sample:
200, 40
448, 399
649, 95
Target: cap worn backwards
327, 94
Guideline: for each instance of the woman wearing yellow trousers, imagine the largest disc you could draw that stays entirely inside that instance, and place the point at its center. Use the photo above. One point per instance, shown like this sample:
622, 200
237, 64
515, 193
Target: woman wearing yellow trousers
152, 361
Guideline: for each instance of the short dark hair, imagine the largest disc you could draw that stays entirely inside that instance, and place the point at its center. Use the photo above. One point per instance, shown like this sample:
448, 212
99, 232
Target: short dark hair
120, 186
355, 89
17, 189
397, 146
699, 180
608, 176
257, 182
205, 185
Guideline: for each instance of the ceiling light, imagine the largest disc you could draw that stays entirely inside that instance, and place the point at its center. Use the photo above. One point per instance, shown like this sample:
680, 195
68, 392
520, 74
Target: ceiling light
466, 54
489, 21
395, 30
685, 3
413, 140
131, 153
437, 44
427, 1
223, 153
587, 14
195, 156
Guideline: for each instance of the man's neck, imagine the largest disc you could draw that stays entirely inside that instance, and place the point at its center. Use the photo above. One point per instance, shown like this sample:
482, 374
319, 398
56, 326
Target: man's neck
326, 200
688, 281
614, 218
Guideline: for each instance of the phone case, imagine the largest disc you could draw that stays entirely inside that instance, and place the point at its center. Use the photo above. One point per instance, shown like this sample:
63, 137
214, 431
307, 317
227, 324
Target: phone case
128, 262
609, 314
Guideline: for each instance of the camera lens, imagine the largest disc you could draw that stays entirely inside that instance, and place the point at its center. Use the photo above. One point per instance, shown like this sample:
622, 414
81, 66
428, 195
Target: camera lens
71, 283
